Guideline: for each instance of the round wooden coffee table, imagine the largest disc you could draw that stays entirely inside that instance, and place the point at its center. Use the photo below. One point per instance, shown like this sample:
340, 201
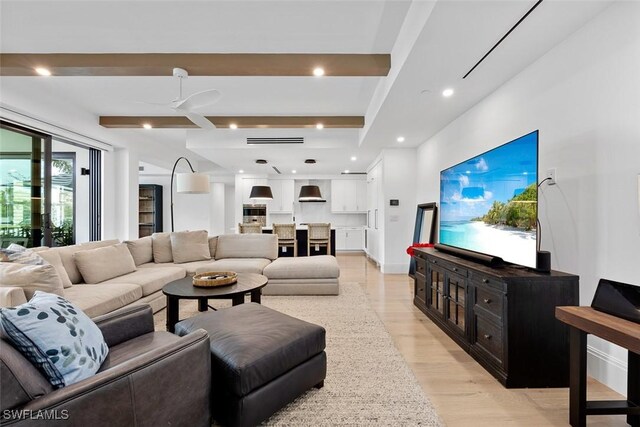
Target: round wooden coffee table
184, 289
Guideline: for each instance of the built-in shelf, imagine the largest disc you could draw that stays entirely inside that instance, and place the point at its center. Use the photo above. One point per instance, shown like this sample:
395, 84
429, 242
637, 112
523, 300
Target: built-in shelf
149, 209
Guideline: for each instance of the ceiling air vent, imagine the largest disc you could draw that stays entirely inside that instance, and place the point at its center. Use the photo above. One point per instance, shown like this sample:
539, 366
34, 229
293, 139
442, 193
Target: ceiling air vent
289, 140
277, 170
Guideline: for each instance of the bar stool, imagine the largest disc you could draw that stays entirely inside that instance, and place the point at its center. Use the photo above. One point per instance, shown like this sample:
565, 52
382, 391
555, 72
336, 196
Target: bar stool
249, 228
286, 236
319, 234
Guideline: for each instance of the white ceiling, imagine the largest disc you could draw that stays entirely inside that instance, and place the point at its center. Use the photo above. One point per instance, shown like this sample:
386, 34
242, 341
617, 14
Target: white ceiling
454, 36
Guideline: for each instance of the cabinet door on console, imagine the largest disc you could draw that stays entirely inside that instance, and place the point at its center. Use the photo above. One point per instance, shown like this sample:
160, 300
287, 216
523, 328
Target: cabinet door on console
456, 302
436, 295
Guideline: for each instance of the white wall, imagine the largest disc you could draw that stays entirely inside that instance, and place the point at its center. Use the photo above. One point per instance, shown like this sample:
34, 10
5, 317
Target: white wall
583, 96
229, 208
217, 211
190, 211
398, 182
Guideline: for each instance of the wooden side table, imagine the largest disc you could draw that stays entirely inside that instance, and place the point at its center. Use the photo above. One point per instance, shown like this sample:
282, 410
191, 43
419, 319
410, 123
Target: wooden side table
586, 320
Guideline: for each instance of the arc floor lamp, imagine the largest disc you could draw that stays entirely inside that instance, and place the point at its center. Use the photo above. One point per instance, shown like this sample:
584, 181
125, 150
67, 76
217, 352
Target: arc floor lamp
190, 183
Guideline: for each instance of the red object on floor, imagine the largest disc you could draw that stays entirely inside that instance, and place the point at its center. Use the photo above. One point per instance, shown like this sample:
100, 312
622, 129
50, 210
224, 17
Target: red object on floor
411, 248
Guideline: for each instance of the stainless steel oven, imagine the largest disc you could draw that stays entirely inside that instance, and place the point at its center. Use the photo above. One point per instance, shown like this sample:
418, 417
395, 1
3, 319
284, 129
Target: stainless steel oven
254, 213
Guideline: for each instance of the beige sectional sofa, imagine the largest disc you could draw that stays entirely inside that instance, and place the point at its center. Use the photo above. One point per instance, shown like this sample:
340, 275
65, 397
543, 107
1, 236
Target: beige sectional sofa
122, 277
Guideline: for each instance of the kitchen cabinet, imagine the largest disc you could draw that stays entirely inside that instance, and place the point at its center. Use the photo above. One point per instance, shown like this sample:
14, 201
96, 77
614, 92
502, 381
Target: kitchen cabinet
350, 239
283, 196
348, 196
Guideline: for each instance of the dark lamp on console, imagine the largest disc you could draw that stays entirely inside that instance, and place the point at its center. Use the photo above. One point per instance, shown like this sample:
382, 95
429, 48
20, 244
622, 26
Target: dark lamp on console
261, 192
190, 183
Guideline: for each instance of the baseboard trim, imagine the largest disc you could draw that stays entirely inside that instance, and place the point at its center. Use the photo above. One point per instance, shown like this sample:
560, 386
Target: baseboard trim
401, 268
607, 369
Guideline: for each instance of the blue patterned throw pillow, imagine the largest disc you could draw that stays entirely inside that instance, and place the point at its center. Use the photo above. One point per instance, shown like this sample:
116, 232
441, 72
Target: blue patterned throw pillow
58, 338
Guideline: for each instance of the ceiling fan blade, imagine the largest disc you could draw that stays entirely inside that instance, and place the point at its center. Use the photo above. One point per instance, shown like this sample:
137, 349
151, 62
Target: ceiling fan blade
199, 120
200, 99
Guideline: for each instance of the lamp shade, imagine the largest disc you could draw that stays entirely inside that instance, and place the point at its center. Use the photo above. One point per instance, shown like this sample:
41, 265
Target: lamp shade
193, 183
261, 192
309, 192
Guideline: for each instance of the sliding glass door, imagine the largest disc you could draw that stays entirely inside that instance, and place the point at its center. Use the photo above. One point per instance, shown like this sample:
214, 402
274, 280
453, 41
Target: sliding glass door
25, 186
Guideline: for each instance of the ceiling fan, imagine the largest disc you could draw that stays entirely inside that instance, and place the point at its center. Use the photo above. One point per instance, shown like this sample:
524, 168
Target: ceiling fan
185, 106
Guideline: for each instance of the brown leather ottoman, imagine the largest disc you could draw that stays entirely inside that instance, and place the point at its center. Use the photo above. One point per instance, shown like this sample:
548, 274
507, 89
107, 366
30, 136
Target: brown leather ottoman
261, 360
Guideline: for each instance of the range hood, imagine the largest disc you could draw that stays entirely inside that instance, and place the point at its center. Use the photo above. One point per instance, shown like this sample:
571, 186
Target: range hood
310, 193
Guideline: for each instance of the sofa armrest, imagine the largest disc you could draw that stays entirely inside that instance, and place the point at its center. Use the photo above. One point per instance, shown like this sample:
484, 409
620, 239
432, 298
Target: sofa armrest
12, 296
169, 385
124, 324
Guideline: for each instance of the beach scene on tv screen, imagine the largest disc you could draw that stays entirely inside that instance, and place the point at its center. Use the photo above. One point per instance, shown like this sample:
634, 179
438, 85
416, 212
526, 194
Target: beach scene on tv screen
488, 204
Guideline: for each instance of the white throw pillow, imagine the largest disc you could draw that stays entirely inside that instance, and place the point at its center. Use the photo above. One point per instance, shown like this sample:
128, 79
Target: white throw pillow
188, 246
98, 265
162, 247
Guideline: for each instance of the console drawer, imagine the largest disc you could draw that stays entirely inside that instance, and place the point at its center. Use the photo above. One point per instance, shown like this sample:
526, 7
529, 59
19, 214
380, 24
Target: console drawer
449, 266
489, 338
421, 266
483, 280
489, 300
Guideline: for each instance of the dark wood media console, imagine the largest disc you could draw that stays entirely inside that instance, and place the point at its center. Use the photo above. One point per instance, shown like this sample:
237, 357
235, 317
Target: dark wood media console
504, 317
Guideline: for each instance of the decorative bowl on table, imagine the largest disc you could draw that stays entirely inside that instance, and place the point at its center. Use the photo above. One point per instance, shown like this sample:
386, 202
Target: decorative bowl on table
210, 279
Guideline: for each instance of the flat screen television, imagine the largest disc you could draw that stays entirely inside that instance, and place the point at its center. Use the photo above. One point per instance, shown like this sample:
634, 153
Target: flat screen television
489, 203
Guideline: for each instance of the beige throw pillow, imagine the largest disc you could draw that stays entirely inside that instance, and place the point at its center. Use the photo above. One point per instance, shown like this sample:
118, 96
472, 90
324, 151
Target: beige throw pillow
141, 250
162, 247
53, 258
31, 278
98, 265
190, 246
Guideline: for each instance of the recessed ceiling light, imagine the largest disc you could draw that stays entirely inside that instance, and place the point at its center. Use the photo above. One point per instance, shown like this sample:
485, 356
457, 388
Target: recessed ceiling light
293, 171
447, 92
354, 158
233, 126
240, 171
319, 126
346, 171
318, 71
400, 139
43, 71
146, 126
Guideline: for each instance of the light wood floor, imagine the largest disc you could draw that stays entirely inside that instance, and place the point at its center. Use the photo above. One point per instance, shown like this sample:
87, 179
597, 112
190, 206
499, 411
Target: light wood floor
463, 393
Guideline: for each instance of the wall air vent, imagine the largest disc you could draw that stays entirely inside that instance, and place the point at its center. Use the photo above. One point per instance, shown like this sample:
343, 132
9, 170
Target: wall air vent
284, 140
277, 170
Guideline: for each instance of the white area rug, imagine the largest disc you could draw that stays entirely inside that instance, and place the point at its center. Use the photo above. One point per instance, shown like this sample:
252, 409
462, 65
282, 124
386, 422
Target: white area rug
368, 382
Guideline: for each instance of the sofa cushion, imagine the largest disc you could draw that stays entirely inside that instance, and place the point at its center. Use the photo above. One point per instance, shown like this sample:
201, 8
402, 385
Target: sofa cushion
67, 252
141, 250
189, 267
96, 300
57, 337
239, 265
162, 247
98, 265
247, 246
21, 381
150, 279
53, 258
187, 246
31, 278
306, 267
